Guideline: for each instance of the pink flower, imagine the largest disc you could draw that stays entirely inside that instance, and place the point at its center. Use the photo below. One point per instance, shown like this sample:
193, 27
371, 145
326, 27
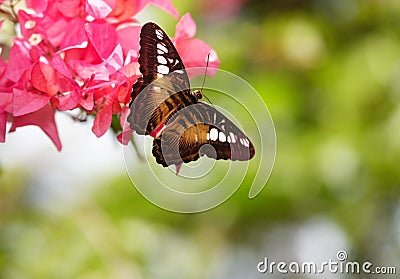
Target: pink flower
81, 54
194, 52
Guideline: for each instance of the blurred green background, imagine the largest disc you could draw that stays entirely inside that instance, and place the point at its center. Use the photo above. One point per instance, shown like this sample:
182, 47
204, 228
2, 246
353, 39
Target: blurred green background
329, 74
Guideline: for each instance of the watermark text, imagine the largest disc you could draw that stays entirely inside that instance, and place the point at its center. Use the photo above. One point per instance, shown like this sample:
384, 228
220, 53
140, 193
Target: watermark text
338, 266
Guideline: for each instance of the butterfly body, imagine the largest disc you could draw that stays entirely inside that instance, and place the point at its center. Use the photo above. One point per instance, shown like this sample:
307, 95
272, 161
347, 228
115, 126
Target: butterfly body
163, 106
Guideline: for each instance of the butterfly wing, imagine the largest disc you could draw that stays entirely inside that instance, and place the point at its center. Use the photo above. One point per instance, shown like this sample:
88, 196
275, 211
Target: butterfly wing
164, 87
200, 130
158, 55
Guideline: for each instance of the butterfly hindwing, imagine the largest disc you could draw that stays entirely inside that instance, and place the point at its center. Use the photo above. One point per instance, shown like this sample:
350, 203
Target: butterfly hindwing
201, 130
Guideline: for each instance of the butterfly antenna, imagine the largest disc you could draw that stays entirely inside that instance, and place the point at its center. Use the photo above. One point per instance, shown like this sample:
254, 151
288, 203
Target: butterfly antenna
205, 73
204, 79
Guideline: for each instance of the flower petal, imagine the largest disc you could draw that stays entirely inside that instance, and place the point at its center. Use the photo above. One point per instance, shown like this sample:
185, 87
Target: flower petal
37, 5
69, 100
88, 102
124, 10
6, 99
186, 28
4, 81
128, 37
19, 60
102, 121
102, 36
59, 64
43, 78
70, 8
27, 102
101, 71
44, 119
3, 122
73, 33
166, 5
125, 136
194, 53
98, 8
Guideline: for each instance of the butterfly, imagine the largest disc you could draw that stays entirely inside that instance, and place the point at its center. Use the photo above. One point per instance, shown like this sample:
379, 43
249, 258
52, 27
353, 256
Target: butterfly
164, 107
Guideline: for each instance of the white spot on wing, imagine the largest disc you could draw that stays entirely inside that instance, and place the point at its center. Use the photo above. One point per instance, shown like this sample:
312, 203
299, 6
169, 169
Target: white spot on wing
162, 69
159, 34
229, 139
179, 72
245, 142
161, 60
208, 136
162, 48
222, 137
173, 62
232, 136
214, 134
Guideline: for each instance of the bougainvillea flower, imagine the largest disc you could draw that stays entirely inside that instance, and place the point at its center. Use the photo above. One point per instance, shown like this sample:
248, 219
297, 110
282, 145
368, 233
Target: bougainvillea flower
52, 33
81, 54
194, 52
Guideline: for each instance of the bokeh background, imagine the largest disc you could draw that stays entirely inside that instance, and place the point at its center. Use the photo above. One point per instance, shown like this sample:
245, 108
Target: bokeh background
329, 74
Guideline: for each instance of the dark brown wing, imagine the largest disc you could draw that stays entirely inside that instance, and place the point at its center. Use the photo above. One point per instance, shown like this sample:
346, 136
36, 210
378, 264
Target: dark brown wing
156, 51
164, 87
201, 130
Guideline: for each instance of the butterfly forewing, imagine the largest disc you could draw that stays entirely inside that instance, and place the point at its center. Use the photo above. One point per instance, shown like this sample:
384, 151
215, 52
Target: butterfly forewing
158, 56
201, 130
164, 88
